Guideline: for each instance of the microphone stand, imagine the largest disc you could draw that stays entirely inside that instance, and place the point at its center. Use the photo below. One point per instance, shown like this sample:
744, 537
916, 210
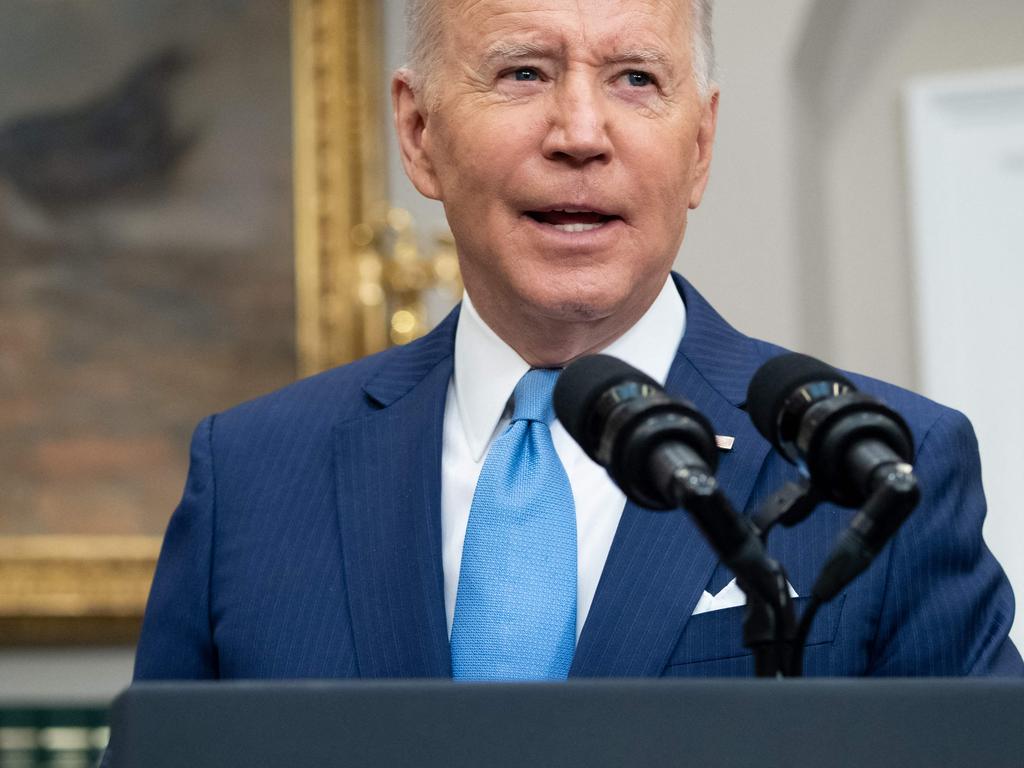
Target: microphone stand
769, 627
769, 624
789, 505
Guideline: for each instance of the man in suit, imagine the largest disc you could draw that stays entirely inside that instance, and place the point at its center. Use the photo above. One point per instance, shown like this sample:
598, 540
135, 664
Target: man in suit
370, 521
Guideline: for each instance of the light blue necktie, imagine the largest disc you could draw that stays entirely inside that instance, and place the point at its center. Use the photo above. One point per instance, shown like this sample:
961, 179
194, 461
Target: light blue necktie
515, 612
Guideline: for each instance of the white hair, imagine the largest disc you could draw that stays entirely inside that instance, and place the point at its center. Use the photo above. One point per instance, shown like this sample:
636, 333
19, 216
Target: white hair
424, 24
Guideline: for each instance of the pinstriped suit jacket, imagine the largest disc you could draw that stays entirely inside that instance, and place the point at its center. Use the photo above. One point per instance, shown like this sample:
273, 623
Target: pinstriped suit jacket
308, 540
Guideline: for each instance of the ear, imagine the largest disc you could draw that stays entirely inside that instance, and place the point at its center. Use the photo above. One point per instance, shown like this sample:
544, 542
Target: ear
410, 127
705, 145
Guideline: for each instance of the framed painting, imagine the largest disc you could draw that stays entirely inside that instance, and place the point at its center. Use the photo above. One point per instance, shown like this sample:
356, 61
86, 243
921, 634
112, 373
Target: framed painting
184, 191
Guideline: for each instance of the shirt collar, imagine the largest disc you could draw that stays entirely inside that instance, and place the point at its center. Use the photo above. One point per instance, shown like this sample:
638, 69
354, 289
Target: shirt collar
487, 369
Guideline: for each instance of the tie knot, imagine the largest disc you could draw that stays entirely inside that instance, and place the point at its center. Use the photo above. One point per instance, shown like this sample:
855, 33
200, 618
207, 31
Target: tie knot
533, 396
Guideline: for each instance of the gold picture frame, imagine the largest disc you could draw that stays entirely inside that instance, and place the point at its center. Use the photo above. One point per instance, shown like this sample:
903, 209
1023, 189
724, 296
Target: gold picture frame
87, 590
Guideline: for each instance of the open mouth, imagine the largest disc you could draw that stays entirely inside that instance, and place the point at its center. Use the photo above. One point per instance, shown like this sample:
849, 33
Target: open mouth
572, 220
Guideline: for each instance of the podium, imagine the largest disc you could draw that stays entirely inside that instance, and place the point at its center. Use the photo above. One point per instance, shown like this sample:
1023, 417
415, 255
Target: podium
594, 723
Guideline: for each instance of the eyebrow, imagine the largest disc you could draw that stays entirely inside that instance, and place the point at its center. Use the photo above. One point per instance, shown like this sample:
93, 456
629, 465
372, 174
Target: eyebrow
641, 56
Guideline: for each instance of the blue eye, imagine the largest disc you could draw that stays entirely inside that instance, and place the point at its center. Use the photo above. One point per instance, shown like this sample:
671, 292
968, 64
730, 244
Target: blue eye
527, 75
639, 79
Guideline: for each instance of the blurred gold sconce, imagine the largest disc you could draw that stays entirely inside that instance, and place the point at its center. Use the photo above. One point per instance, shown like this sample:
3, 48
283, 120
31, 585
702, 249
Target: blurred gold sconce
398, 277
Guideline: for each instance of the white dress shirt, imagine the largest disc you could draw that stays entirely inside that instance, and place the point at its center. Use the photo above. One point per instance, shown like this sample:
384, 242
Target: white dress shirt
485, 375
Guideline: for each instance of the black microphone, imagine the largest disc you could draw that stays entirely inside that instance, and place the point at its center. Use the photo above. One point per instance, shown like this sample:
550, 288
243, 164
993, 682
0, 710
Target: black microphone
855, 450
659, 450
844, 440
625, 421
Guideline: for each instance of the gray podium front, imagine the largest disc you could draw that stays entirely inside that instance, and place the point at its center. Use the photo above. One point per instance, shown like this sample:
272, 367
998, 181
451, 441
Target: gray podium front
650, 723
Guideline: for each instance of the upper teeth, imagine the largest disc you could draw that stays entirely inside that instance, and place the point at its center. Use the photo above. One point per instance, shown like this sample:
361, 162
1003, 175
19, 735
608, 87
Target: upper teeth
577, 227
573, 210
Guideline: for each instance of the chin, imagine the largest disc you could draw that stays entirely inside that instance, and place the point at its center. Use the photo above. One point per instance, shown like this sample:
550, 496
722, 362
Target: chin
577, 303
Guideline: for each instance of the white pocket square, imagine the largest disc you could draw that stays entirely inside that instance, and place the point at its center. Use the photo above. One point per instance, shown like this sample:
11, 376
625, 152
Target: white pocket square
731, 596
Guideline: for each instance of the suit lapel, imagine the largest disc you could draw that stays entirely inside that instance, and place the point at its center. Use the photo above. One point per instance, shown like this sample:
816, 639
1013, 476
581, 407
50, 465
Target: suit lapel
659, 563
388, 466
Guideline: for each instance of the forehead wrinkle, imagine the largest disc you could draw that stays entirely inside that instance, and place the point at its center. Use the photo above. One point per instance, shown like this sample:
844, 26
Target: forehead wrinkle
516, 36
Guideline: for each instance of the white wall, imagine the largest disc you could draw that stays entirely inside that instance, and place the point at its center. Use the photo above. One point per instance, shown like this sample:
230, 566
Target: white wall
966, 145
855, 203
860, 207
741, 246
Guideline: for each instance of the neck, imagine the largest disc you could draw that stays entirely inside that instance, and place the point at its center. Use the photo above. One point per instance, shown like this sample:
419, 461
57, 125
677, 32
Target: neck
554, 342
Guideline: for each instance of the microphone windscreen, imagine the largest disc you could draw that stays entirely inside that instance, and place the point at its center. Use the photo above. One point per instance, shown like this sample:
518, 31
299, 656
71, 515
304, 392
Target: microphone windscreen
581, 384
779, 378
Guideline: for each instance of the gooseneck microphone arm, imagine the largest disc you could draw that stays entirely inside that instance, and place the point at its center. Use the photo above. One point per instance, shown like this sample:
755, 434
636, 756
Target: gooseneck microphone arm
896, 493
734, 538
769, 625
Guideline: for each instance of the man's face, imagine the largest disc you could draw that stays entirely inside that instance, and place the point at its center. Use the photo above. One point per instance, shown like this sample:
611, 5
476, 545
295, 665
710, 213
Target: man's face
567, 140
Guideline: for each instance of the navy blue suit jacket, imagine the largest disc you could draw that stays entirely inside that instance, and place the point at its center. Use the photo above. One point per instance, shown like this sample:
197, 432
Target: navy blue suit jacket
308, 541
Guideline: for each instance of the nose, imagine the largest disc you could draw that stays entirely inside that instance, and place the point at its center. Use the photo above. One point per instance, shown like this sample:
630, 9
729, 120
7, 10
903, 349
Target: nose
578, 123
